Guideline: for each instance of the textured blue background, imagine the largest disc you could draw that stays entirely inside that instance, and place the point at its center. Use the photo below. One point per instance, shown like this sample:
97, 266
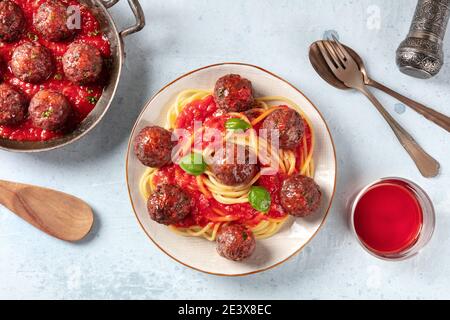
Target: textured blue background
118, 261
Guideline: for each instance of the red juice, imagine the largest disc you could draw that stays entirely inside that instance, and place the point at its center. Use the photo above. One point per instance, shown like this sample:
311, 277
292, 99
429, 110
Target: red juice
388, 217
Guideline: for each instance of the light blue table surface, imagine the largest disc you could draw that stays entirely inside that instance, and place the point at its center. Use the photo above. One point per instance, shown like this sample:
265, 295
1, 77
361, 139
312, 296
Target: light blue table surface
118, 260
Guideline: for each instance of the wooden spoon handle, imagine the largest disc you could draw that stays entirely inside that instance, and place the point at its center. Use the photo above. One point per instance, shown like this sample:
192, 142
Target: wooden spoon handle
426, 164
438, 118
55, 213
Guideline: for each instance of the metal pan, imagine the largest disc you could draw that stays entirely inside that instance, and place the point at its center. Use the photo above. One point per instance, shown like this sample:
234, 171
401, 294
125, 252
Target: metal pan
100, 10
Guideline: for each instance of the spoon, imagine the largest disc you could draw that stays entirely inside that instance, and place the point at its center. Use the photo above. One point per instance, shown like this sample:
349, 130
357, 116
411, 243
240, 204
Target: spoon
322, 69
58, 214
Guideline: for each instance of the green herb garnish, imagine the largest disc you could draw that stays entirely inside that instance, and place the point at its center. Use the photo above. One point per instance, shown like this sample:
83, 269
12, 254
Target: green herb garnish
47, 113
237, 124
32, 36
193, 164
94, 33
259, 199
92, 99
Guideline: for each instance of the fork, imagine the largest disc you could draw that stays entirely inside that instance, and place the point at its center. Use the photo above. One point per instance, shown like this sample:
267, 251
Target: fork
345, 68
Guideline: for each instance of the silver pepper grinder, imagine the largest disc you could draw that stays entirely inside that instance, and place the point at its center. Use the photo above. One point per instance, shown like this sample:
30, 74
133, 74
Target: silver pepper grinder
420, 55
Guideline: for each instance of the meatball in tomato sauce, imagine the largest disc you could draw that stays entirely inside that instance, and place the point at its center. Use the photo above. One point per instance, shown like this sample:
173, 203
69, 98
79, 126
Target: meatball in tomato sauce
234, 165
169, 204
82, 63
236, 242
153, 146
300, 196
52, 21
32, 63
12, 21
13, 105
49, 110
289, 126
233, 93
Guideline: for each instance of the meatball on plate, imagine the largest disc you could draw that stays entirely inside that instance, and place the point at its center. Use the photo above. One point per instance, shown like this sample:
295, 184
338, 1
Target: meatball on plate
231, 170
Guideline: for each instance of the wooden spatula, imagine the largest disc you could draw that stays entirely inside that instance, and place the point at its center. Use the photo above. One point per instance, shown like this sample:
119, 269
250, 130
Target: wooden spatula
58, 214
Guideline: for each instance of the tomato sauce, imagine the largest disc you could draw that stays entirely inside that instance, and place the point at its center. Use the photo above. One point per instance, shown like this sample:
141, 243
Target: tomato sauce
82, 98
207, 112
388, 217
203, 211
198, 110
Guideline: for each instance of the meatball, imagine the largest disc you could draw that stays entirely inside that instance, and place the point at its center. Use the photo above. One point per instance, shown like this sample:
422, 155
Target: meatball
234, 165
169, 204
153, 146
31, 63
12, 21
52, 19
289, 125
13, 108
300, 196
236, 242
82, 63
49, 110
233, 93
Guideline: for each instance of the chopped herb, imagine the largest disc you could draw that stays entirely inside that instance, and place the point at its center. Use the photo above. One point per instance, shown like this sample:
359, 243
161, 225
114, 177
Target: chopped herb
58, 76
244, 235
89, 90
92, 99
94, 33
32, 36
47, 113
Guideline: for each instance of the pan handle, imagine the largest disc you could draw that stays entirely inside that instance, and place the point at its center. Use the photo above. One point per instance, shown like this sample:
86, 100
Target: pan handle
138, 14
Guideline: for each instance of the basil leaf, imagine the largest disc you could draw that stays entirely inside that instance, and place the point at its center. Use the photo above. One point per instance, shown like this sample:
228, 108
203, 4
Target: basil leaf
259, 199
193, 164
237, 124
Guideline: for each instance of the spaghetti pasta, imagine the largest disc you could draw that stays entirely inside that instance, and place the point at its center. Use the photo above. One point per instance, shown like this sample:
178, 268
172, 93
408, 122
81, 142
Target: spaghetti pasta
263, 225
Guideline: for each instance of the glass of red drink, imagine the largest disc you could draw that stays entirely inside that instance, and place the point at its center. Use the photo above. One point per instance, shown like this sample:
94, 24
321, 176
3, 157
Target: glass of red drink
392, 218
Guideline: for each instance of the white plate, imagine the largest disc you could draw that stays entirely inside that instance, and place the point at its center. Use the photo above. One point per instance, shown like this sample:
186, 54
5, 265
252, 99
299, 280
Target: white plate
199, 253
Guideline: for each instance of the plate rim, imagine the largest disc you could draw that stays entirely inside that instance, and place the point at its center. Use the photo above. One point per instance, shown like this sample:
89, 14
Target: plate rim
322, 223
